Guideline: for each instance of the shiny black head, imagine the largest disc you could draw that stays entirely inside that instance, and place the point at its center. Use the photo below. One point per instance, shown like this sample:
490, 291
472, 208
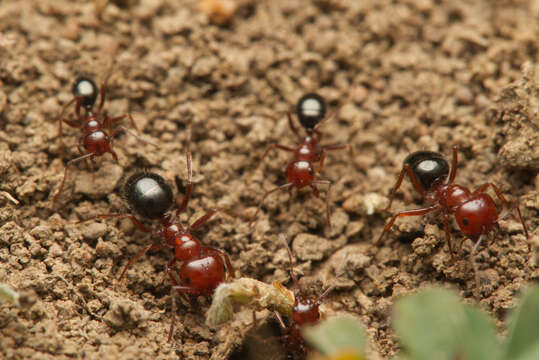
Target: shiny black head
148, 194
429, 168
87, 90
311, 110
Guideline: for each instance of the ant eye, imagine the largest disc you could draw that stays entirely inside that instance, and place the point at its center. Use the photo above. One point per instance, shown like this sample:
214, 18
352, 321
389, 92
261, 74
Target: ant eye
310, 170
465, 221
311, 110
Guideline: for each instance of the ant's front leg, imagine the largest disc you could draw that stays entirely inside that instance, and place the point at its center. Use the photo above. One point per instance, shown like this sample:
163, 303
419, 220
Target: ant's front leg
270, 147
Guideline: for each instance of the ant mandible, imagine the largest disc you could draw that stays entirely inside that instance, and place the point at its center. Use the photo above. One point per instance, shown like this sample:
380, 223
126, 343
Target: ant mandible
202, 268
300, 172
305, 311
475, 212
96, 140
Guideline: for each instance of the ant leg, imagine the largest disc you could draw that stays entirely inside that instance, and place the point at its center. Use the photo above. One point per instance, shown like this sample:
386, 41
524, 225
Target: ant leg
416, 212
405, 169
138, 256
202, 220
214, 251
474, 263
282, 187
72, 161
328, 196
279, 319
448, 236
62, 115
273, 146
330, 117
484, 187
292, 127
178, 289
82, 153
102, 92
189, 188
114, 120
123, 128
333, 147
322, 159
114, 155
131, 217
454, 164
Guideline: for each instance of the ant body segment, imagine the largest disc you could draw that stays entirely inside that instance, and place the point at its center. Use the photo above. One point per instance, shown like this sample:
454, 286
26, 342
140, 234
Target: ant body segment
202, 267
305, 311
97, 126
300, 172
475, 212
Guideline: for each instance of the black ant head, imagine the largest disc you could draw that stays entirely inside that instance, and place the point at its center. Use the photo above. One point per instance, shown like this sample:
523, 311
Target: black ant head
429, 168
311, 109
87, 90
148, 194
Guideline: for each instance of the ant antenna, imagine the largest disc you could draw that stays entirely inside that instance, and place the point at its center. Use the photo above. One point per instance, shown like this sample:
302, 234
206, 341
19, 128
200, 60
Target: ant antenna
338, 273
282, 237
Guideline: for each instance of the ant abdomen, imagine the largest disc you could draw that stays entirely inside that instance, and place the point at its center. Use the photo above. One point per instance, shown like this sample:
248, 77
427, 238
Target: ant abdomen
429, 167
311, 109
87, 90
148, 194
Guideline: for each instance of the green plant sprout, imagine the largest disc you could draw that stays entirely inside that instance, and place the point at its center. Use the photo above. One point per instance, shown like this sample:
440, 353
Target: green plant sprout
434, 324
338, 338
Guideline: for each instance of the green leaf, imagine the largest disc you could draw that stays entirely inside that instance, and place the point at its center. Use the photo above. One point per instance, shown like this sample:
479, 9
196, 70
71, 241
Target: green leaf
336, 336
433, 324
523, 339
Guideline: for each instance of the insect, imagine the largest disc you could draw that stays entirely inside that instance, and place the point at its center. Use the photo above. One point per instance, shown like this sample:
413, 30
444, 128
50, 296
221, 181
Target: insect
97, 126
305, 311
300, 172
475, 212
202, 267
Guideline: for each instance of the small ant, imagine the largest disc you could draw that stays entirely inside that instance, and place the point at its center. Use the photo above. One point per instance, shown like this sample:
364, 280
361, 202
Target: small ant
311, 112
96, 140
202, 268
475, 212
305, 311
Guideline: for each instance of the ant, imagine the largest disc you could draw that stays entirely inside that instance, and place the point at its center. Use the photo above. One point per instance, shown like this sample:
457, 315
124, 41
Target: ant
305, 311
475, 212
300, 172
202, 268
97, 126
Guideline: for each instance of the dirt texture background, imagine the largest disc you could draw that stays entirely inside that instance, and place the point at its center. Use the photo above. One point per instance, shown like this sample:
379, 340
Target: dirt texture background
407, 75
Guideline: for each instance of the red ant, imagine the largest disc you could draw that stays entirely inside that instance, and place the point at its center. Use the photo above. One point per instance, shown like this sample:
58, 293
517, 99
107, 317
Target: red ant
475, 212
96, 140
305, 311
202, 268
311, 111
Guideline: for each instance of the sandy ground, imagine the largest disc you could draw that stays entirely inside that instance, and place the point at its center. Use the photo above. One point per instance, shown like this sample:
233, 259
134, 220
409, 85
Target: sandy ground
407, 75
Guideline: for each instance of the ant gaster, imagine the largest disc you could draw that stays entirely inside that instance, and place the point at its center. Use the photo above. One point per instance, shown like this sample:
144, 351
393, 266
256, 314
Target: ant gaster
97, 126
475, 212
202, 267
304, 312
300, 172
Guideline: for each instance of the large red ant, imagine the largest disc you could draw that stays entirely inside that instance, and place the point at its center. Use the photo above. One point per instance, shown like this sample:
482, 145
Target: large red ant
475, 212
95, 124
311, 112
305, 311
202, 268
